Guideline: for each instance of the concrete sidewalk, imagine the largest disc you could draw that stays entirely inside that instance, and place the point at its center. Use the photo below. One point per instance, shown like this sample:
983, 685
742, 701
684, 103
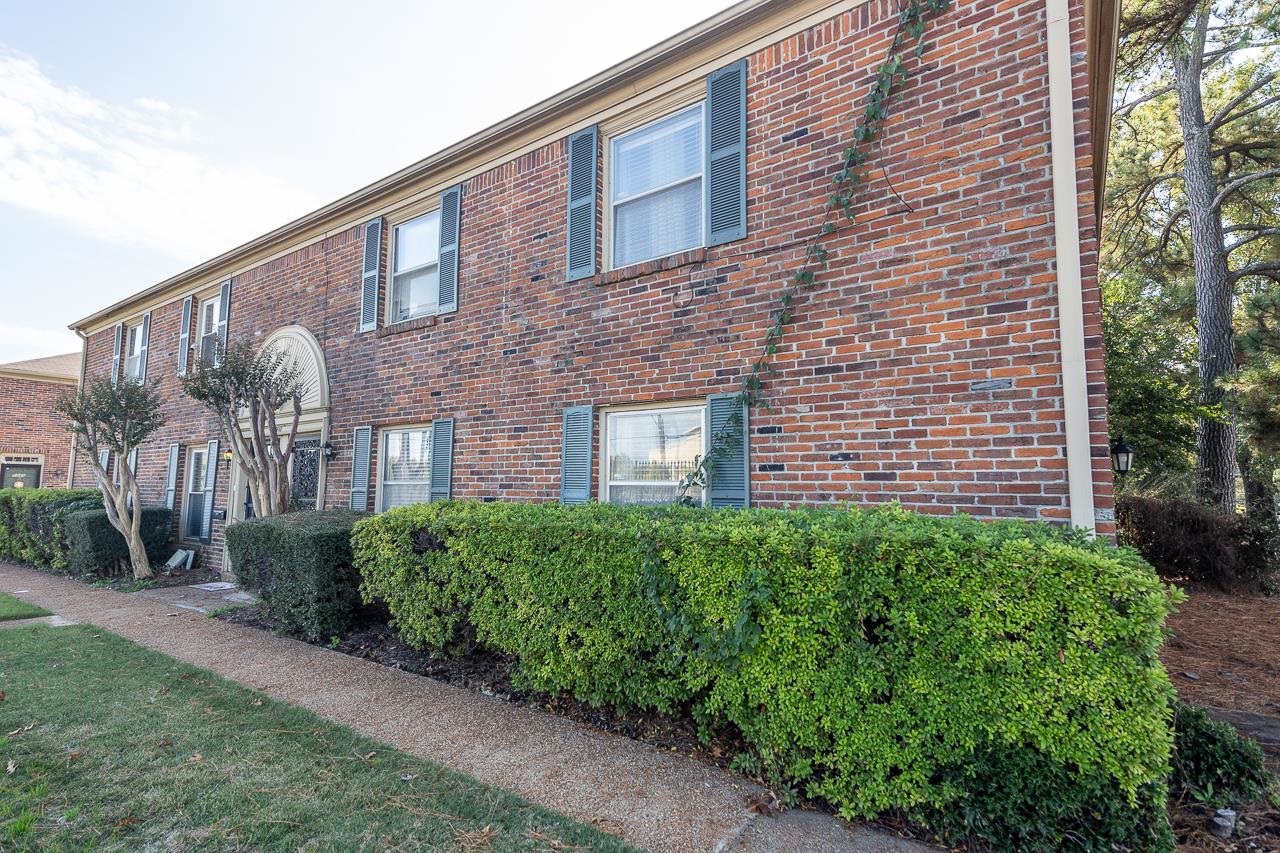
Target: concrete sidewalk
653, 799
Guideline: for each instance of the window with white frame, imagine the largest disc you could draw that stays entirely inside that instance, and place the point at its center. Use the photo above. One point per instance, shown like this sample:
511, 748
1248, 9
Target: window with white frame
198, 470
415, 268
647, 452
133, 352
207, 327
655, 185
405, 472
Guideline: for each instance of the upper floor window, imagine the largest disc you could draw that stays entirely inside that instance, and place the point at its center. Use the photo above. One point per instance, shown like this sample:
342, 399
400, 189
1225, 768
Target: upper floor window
133, 353
649, 451
210, 316
406, 467
415, 271
656, 188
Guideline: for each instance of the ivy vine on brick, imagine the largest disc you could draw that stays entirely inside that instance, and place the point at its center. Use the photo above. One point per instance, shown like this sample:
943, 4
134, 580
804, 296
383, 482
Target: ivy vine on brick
890, 76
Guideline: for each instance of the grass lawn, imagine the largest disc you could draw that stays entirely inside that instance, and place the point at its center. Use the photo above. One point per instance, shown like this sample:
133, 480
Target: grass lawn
110, 745
15, 608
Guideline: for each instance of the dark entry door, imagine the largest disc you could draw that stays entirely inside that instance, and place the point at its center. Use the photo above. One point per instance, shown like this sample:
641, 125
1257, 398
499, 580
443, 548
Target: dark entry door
304, 478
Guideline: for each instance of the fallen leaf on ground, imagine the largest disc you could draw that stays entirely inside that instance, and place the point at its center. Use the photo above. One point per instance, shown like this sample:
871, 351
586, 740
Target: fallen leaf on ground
75, 755
10, 767
28, 727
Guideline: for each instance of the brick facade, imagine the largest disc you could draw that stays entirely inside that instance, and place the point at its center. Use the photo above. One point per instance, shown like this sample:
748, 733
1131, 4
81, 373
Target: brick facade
29, 428
925, 368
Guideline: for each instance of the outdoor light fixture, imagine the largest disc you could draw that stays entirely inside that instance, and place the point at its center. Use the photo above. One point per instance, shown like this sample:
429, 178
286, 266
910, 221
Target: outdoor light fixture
329, 451
1121, 457
227, 456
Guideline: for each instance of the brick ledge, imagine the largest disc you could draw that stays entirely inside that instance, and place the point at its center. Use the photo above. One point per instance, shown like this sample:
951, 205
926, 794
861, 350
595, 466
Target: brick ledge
406, 326
670, 262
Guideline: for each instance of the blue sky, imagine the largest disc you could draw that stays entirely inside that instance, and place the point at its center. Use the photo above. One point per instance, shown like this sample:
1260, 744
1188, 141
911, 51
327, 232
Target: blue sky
140, 138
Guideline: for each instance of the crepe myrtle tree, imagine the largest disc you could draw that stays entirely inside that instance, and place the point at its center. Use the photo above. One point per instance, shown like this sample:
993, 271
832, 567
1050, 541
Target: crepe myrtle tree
257, 400
113, 419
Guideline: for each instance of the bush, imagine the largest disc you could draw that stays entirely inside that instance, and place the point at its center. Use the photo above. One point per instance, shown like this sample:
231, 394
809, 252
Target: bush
96, 548
877, 659
1213, 762
1188, 541
300, 565
31, 523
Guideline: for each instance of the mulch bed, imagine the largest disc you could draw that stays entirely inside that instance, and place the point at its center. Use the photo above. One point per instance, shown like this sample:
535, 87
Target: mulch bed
1223, 653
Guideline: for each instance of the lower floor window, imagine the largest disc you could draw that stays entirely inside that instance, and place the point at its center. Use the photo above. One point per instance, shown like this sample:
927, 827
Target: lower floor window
647, 452
20, 472
197, 472
405, 472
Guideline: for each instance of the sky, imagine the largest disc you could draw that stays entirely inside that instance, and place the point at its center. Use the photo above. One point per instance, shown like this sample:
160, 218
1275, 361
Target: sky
138, 139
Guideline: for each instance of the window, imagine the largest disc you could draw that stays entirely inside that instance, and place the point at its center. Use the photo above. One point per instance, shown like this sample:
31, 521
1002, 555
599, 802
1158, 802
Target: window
405, 472
648, 451
197, 473
133, 352
656, 188
20, 472
210, 316
415, 276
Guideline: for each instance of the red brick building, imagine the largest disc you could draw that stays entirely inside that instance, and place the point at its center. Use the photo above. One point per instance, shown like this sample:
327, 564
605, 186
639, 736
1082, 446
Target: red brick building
557, 307
35, 445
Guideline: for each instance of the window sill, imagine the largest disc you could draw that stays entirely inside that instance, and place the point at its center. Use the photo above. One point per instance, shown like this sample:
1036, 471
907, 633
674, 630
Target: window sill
686, 258
406, 326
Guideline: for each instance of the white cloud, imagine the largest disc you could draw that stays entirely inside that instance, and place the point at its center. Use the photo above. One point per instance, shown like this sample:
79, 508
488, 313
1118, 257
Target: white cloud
128, 174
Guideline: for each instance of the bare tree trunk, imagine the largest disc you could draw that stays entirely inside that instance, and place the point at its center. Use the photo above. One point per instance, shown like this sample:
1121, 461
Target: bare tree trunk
1216, 438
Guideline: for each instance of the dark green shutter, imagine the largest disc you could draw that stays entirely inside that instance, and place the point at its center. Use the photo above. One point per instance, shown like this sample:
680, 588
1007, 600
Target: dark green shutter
210, 480
450, 228
171, 479
360, 450
142, 347
224, 314
115, 354
726, 135
581, 239
575, 454
441, 476
184, 336
729, 479
369, 275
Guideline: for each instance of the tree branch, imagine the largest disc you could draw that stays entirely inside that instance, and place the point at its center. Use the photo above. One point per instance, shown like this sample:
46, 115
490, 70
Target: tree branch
1220, 117
1233, 186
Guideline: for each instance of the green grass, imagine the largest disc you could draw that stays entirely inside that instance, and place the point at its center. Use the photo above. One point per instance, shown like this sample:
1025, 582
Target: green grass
16, 608
112, 746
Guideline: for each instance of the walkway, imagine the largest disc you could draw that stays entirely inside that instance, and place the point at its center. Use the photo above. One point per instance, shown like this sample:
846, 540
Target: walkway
654, 799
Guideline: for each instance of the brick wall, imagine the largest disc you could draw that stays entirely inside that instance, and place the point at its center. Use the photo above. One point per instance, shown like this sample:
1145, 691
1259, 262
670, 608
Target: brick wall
924, 369
29, 427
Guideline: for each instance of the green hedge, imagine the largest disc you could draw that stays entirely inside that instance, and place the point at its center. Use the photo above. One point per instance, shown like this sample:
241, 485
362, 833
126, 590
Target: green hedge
31, 523
96, 548
300, 565
995, 680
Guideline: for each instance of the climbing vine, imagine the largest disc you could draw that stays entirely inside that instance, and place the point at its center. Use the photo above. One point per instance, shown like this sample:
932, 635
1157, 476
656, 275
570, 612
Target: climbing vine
890, 76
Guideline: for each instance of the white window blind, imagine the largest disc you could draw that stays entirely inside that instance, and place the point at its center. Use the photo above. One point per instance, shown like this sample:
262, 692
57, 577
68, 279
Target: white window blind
656, 188
406, 467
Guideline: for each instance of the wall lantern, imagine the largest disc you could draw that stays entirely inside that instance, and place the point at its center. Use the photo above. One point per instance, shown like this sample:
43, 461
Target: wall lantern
227, 456
329, 451
1121, 457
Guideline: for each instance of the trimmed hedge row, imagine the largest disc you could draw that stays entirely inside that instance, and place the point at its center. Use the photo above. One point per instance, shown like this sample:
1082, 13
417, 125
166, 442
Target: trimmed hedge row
1190, 542
300, 565
96, 548
32, 523
995, 680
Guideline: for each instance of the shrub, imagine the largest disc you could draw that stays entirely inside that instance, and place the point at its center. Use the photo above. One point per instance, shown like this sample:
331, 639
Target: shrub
877, 659
96, 548
1189, 541
1213, 762
31, 523
300, 565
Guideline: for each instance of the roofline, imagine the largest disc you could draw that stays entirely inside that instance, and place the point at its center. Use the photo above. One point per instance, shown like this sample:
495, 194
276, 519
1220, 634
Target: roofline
37, 376
736, 17
1101, 19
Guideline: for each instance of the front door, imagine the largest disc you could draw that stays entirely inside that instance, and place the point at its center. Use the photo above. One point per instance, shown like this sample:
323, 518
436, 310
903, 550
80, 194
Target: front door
304, 474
